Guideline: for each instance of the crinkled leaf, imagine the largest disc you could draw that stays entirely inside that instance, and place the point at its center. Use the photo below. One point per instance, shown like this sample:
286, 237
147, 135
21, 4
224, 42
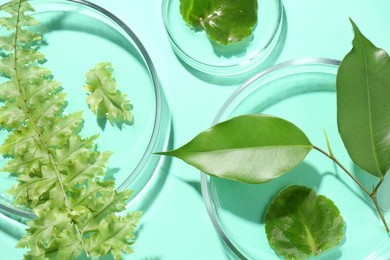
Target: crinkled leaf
249, 148
299, 223
115, 235
41, 229
19, 141
68, 245
31, 188
224, 21
102, 206
87, 166
8, 91
30, 163
75, 146
363, 91
104, 98
11, 116
58, 133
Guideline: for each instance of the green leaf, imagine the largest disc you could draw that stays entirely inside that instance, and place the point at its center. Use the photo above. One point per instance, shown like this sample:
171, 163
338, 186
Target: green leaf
363, 91
62, 128
115, 235
299, 223
11, 116
224, 21
249, 148
104, 98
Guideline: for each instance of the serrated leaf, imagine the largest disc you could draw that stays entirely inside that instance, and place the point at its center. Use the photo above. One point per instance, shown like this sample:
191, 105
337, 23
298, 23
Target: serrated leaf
87, 166
41, 229
50, 109
75, 146
19, 141
104, 98
224, 21
115, 235
102, 206
29, 163
299, 223
11, 116
62, 127
31, 188
68, 245
7, 42
8, 91
249, 148
363, 88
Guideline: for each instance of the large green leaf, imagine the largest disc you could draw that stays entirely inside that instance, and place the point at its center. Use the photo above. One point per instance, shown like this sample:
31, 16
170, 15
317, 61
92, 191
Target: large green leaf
363, 91
249, 148
299, 223
225, 21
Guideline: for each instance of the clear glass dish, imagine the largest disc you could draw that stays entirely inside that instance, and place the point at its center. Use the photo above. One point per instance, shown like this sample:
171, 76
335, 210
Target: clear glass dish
77, 35
303, 92
196, 50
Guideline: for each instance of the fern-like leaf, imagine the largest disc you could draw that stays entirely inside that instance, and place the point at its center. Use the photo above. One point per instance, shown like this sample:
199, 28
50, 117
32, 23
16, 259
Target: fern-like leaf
104, 98
59, 172
114, 234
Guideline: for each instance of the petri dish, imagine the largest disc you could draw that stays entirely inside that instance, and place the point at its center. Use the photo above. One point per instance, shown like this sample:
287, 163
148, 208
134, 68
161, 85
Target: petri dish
303, 92
196, 50
77, 35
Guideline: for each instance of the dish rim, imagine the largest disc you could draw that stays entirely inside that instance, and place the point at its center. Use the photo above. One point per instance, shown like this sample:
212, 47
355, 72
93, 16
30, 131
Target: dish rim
157, 90
205, 188
225, 70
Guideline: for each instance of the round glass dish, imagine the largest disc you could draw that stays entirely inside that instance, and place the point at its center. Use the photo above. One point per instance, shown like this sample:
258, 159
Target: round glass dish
303, 92
195, 48
78, 35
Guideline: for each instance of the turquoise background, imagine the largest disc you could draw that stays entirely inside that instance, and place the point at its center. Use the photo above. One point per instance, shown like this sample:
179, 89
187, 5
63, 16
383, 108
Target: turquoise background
176, 224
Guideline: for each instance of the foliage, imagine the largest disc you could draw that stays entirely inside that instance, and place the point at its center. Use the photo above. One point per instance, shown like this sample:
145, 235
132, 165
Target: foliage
248, 148
224, 21
58, 171
104, 98
300, 223
363, 91
252, 149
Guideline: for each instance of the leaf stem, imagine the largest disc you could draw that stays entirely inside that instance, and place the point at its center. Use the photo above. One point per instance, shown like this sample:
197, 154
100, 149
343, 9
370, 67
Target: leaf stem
330, 156
33, 121
372, 195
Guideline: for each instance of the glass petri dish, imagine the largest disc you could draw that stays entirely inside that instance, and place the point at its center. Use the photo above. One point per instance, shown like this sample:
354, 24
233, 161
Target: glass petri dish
303, 92
77, 35
195, 49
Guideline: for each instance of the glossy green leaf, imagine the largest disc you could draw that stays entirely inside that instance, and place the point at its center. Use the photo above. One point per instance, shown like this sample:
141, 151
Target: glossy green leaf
363, 91
249, 148
299, 223
224, 21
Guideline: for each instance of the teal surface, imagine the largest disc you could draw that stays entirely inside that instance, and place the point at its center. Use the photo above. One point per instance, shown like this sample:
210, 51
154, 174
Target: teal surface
175, 224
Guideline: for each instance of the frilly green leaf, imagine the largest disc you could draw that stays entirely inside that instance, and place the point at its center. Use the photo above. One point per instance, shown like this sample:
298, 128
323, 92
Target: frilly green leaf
59, 173
115, 235
104, 99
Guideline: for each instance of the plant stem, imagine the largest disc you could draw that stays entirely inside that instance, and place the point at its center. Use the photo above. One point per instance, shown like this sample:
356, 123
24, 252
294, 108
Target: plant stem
40, 138
372, 195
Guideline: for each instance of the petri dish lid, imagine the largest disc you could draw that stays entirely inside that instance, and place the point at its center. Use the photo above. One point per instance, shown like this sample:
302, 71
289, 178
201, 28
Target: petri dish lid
197, 51
303, 92
77, 35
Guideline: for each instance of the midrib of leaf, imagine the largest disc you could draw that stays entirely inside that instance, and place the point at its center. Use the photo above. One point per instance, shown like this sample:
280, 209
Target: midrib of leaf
109, 237
369, 104
100, 89
243, 148
309, 238
34, 124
